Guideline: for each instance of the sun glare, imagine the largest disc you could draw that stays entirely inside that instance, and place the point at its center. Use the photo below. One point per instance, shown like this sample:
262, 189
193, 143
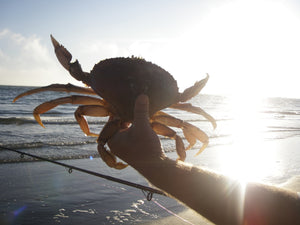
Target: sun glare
248, 158
249, 52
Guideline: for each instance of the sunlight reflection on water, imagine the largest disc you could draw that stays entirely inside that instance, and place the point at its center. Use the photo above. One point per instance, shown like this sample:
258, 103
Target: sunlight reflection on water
249, 157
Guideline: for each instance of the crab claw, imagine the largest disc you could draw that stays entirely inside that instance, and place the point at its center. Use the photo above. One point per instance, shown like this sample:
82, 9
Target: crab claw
62, 54
65, 57
193, 90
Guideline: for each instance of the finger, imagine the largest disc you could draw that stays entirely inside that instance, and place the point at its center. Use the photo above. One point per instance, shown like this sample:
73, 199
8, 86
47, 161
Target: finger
141, 110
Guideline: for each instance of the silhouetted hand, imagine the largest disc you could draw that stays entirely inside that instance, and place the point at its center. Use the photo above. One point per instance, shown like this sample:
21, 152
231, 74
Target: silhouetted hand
138, 144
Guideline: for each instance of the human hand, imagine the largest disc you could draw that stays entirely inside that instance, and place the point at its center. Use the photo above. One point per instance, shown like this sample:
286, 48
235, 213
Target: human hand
138, 145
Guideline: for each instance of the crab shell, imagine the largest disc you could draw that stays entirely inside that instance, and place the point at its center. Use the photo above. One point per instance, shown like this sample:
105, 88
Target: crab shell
120, 80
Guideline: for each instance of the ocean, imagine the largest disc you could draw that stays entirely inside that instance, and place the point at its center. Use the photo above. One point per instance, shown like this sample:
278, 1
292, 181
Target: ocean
256, 139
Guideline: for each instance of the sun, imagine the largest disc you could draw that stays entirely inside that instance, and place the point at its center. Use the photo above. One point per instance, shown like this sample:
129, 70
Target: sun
245, 46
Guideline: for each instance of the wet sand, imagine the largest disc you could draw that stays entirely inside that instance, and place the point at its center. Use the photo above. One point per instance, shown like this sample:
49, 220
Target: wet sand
44, 193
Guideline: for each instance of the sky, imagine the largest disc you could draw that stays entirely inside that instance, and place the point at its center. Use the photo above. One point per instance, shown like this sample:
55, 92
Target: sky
249, 48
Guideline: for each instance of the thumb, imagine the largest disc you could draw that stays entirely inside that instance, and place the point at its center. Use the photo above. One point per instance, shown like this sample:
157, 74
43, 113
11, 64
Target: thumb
141, 110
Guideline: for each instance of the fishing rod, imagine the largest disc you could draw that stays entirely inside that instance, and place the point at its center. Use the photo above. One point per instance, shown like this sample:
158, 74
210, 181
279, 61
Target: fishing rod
147, 191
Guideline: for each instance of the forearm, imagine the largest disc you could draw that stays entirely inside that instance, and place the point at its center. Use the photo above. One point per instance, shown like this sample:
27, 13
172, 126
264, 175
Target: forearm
220, 199
270, 205
213, 196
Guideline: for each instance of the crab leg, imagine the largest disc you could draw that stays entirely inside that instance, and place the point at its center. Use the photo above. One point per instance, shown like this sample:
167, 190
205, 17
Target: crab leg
193, 90
168, 132
190, 132
73, 99
107, 132
58, 87
89, 110
193, 109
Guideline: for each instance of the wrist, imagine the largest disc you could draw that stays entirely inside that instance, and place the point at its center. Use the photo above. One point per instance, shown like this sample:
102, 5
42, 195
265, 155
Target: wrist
158, 171
150, 164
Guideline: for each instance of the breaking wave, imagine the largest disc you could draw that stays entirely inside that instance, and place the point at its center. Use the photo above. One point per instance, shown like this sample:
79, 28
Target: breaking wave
32, 145
28, 120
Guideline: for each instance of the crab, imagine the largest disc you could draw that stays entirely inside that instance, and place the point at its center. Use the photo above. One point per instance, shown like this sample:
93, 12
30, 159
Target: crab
118, 81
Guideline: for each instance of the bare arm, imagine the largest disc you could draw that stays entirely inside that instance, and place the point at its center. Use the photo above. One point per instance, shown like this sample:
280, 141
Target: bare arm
216, 197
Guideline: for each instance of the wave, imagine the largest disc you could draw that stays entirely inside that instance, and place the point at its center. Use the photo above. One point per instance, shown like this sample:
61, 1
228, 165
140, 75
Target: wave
16, 120
17, 158
49, 150
32, 145
284, 128
292, 113
27, 120
24, 112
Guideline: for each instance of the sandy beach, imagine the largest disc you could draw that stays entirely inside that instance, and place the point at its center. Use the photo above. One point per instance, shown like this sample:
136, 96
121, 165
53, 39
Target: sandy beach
44, 193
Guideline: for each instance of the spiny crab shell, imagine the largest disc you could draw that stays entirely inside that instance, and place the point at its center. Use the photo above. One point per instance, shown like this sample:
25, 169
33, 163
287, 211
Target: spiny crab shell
118, 82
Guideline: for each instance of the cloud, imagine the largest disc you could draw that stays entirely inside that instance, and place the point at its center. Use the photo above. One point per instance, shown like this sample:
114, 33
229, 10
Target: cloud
15, 37
25, 60
22, 50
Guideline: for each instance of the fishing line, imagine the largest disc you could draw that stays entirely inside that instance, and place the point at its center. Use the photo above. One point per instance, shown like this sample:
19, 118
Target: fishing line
146, 190
149, 195
172, 213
